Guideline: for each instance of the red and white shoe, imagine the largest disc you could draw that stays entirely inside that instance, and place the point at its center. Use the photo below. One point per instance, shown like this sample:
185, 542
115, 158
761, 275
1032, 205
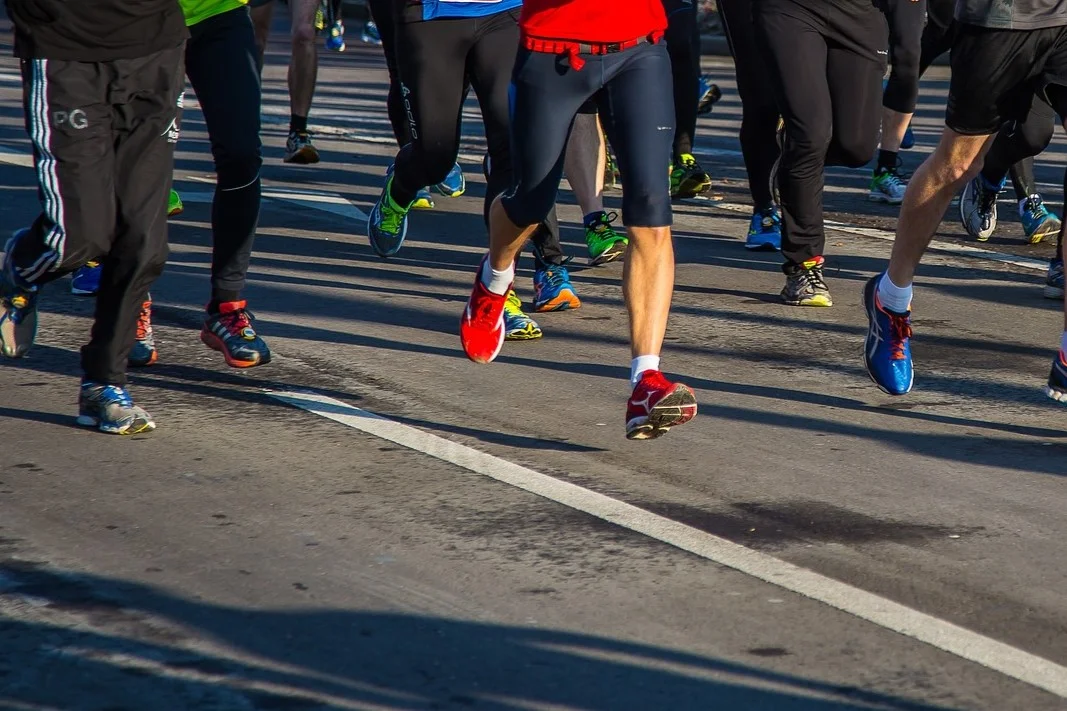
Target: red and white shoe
657, 405
481, 328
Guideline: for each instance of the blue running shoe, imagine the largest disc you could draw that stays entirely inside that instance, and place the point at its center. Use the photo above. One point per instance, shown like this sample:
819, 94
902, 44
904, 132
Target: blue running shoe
370, 34
1057, 379
335, 37
1038, 221
110, 409
454, 183
908, 142
765, 230
86, 281
553, 290
18, 306
387, 224
1054, 280
887, 351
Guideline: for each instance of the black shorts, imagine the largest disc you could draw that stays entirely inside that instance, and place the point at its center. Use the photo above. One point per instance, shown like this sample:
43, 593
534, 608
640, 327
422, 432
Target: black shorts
634, 95
980, 100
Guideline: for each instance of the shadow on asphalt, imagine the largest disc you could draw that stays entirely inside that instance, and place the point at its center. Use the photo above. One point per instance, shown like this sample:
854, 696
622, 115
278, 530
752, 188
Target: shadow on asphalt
341, 659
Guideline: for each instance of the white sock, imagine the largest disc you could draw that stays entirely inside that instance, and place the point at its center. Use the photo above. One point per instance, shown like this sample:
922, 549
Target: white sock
497, 282
894, 298
1063, 343
640, 364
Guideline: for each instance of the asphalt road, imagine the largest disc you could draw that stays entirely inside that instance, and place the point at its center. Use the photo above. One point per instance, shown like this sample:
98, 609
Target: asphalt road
474, 549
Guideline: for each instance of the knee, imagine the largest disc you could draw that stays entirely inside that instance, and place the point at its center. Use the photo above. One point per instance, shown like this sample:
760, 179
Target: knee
955, 167
809, 146
526, 207
646, 205
303, 35
238, 167
1035, 136
856, 151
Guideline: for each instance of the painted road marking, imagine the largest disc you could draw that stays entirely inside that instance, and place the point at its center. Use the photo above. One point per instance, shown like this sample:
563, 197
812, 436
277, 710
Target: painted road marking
315, 199
948, 637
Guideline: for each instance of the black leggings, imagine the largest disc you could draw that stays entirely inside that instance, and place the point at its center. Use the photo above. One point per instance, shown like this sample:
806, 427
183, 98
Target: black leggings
437, 61
826, 70
683, 45
906, 18
1015, 146
759, 113
381, 11
220, 61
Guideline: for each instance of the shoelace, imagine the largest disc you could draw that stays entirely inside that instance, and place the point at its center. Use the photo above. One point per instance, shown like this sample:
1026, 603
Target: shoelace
986, 198
484, 316
557, 276
812, 278
236, 321
899, 333
1035, 208
144, 323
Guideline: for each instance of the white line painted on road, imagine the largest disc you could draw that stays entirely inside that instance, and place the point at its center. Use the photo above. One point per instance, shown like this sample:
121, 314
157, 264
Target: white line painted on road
948, 637
10, 156
962, 250
315, 199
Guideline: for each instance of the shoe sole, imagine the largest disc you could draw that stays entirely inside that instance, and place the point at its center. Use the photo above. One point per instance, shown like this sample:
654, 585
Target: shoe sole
866, 349
688, 192
131, 429
523, 336
214, 343
1057, 395
763, 246
175, 212
1046, 230
885, 200
609, 255
138, 364
1053, 292
560, 303
676, 408
305, 156
816, 302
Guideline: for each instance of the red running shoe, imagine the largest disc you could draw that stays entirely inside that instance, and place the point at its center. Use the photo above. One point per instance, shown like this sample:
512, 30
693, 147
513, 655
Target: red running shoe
657, 405
481, 328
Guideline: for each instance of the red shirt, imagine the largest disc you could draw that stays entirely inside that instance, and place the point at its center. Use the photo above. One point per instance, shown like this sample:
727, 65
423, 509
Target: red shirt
592, 21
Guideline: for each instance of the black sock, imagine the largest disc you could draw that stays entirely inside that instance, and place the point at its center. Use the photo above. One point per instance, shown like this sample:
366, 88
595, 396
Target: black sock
887, 160
298, 123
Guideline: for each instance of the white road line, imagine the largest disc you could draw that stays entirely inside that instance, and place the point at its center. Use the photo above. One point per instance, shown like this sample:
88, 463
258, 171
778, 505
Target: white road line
948, 637
315, 199
10, 156
963, 250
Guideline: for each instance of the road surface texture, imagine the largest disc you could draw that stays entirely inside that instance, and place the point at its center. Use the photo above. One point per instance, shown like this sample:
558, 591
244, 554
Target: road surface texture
807, 543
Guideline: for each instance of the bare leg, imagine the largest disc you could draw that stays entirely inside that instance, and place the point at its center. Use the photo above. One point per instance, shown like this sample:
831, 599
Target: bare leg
585, 161
956, 160
262, 16
894, 126
505, 237
648, 285
304, 63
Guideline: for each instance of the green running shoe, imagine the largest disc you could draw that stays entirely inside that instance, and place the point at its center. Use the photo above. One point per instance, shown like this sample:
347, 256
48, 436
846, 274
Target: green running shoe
605, 244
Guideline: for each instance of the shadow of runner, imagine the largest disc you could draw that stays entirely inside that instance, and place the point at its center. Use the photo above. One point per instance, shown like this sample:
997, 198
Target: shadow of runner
108, 644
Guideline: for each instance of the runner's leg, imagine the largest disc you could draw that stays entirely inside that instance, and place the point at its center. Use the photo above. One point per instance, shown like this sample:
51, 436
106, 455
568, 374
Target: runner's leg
906, 18
303, 73
682, 38
584, 164
382, 15
262, 16
220, 63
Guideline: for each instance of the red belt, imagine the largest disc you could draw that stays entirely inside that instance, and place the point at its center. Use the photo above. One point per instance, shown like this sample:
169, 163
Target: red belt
574, 49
